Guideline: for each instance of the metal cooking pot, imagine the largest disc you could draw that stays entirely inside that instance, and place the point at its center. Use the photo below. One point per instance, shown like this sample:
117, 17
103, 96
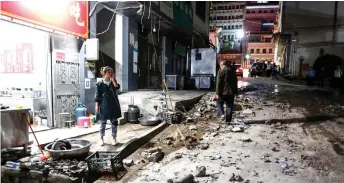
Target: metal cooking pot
150, 120
80, 150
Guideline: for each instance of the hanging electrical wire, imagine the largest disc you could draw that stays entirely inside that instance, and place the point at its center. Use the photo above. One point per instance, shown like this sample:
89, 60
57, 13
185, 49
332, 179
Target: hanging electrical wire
149, 9
113, 15
159, 29
143, 14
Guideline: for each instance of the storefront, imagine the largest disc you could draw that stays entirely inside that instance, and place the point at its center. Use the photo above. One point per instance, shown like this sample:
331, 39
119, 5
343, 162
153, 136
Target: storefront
40, 58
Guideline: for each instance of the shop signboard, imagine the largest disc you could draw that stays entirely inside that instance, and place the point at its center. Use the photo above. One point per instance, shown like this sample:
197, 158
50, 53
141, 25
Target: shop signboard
166, 7
66, 16
183, 15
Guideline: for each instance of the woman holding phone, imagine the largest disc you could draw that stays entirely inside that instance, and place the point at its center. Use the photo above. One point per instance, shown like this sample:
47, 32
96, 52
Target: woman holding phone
107, 103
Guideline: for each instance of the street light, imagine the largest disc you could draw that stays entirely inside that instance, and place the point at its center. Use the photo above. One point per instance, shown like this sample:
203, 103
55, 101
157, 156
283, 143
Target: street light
240, 34
247, 56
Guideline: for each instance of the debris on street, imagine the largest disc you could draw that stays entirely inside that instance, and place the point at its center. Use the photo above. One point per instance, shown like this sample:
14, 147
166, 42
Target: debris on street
260, 133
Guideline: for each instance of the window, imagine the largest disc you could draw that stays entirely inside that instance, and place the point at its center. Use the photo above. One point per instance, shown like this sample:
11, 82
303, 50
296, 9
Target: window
253, 11
210, 18
267, 40
272, 11
264, 50
232, 26
236, 26
248, 12
270, 50
251, 50
258, 50
229, 17
233, 17
229, 7
240, 26
242, 6
232, 36
240, 16
265, 11
201, 9
237, 7
224, 37
229, 37
237, 17
226, 7
229, 27
224, 27
260, 11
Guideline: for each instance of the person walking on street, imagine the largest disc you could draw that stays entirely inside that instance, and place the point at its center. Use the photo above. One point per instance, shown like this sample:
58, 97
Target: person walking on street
107, 103
337, 77
321, 77
310, 76
226, 89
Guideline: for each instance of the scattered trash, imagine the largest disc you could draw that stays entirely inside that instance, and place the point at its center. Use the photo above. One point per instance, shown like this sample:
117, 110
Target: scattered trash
283, 164
192, 127
237, 129
247, 111
128, 162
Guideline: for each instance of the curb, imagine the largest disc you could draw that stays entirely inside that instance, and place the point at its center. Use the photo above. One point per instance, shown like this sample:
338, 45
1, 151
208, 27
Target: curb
130, 147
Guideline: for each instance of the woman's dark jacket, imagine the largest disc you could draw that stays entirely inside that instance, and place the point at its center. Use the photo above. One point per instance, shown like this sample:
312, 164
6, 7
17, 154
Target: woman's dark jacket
107, 97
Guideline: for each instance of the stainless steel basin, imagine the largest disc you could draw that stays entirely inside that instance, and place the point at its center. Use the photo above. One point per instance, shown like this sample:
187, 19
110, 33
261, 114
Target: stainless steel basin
80, 150
150, 120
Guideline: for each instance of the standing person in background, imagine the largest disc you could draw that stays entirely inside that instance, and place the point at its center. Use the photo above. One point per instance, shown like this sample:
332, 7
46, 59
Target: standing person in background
310, 76
268, 70
342, 84
226, 89
321, 77
274, 71
107, 103
337, 77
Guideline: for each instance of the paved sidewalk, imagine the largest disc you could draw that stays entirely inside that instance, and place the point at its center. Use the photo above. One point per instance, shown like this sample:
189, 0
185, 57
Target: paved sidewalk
45, 137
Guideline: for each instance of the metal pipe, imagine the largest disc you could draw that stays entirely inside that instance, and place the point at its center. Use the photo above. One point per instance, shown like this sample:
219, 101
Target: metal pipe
334, 35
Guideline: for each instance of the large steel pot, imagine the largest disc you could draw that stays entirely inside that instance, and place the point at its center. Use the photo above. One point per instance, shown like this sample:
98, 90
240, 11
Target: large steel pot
80, 150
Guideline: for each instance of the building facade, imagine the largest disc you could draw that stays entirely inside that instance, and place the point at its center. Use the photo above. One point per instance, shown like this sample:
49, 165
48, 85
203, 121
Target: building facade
311, 29
229, 17
259, 25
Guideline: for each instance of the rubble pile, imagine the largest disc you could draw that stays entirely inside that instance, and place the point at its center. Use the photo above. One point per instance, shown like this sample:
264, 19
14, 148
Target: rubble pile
153, 154
205, 109
71, 168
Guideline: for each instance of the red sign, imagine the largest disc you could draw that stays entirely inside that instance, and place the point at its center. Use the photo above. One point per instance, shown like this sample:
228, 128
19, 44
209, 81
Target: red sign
66, 16
60, 56
18, 60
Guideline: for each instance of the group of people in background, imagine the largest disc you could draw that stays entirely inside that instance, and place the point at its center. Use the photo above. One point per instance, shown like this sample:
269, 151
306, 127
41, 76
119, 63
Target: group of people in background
269, 70
337, 78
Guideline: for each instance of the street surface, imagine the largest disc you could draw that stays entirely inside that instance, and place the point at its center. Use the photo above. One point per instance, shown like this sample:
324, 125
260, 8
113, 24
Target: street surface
295, 135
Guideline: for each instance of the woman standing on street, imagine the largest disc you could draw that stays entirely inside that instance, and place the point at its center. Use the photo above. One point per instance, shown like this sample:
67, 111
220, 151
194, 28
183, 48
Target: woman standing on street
107, 103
